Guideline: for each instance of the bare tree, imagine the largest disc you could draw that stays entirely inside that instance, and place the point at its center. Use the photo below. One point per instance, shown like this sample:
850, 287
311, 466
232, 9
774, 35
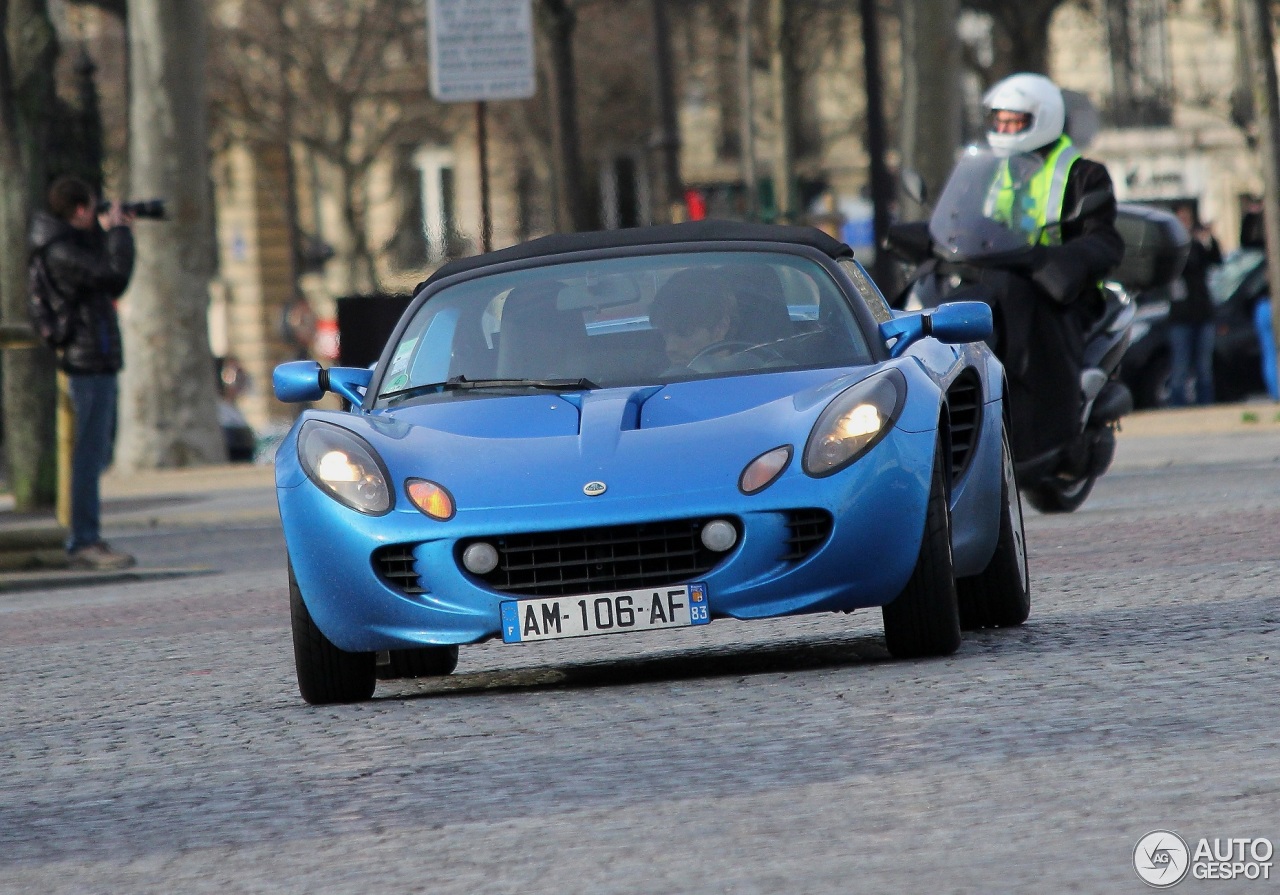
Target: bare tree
168, 402
338, 79
1020, 35
27, 54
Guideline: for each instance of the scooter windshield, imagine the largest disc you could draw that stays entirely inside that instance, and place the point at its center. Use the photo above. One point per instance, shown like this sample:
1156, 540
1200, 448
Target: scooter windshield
980, 212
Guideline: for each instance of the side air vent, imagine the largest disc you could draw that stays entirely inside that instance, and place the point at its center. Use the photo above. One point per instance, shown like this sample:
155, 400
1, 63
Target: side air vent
394, 564
964, 403
808, 529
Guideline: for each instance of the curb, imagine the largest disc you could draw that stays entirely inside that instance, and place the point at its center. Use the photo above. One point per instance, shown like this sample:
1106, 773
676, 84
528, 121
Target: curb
14, 582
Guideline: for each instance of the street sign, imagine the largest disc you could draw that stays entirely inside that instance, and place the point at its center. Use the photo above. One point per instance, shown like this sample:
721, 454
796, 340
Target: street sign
480, 49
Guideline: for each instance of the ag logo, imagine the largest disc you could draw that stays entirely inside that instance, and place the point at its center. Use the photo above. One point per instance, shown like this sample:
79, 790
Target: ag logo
1161, 859
594, 489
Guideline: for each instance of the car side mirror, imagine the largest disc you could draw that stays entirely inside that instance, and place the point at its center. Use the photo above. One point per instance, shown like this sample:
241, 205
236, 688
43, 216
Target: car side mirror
914, 187
955, 323
305, 381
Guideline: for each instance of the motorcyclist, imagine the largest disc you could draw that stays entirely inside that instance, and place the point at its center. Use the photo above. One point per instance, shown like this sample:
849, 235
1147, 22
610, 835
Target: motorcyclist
1040, 332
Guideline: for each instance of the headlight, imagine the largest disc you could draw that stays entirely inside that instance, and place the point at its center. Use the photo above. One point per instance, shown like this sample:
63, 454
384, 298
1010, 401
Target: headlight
854, 422
345, 466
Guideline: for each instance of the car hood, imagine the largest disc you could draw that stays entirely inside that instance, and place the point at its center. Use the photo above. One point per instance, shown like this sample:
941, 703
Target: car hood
492, 450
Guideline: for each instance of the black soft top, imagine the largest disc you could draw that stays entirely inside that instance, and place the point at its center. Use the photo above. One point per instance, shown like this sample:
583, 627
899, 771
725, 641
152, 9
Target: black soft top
692, 231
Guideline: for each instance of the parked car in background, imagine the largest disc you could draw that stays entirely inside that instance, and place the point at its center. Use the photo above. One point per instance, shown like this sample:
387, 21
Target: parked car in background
1237, 361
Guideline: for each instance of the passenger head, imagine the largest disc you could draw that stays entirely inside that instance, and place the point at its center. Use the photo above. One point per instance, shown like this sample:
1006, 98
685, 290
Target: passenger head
1025, 112
693, 310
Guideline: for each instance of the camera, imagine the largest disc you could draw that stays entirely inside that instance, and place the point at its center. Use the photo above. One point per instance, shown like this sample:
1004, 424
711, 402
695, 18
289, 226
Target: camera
147, 208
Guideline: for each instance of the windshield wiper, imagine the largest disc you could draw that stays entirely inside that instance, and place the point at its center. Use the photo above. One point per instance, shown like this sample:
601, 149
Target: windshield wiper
462, 383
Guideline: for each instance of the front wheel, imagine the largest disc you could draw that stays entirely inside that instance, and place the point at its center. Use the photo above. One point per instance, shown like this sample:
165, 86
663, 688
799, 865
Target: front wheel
924, 620
326, 674
1000, 595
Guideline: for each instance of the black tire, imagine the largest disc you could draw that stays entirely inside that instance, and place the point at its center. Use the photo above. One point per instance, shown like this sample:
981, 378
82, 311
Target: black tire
1153, 388
427, 661
924, 620
1000, 595
326, 674
1059, 495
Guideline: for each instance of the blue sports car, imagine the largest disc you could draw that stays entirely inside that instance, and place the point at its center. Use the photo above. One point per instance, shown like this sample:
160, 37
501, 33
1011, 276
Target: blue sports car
645, 429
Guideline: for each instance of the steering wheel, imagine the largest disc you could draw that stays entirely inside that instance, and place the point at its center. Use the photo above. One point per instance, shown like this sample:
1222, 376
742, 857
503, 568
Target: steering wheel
731, 346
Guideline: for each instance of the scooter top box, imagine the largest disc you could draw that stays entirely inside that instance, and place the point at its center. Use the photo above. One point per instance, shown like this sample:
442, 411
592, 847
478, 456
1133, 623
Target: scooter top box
1156, 247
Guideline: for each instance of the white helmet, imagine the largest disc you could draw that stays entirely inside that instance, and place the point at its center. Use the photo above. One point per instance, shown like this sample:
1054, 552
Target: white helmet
1033, 95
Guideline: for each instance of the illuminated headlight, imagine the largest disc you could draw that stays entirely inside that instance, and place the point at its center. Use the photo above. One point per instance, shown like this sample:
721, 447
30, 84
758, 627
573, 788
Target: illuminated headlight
854, 422
719, 535
345, 467
480, 558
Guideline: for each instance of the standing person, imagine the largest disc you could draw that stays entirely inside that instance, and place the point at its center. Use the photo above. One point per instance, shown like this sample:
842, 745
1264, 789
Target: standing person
88, 258
1191, 324
1040, 331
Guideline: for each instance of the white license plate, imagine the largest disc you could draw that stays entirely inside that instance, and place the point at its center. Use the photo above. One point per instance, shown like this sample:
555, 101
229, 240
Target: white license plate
550, 618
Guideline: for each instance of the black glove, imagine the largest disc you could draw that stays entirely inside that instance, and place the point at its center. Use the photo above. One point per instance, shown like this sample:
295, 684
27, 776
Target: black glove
1060, 274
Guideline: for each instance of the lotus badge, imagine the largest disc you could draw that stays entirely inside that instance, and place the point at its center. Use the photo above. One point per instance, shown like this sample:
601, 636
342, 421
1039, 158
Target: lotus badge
593, 489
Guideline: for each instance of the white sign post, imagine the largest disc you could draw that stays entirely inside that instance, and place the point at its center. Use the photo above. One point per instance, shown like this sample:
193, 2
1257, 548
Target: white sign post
481, 50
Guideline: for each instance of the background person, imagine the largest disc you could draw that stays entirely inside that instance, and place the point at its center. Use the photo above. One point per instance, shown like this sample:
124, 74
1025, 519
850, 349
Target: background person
1191, 324
89, 259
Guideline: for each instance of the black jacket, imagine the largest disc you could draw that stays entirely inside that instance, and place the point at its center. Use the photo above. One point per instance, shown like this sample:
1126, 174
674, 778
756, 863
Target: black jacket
1043, 326
1190, 301
91, 268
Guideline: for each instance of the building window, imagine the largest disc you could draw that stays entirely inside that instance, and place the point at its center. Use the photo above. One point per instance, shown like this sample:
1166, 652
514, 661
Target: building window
1141, 80
439, 204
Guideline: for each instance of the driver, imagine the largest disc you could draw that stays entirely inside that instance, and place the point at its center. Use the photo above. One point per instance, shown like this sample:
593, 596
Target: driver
1040, 333
693, 311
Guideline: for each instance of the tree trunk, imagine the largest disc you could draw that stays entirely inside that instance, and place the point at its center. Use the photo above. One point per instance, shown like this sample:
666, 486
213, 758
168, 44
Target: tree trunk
564, 102
168, 406
931, 101
29, 394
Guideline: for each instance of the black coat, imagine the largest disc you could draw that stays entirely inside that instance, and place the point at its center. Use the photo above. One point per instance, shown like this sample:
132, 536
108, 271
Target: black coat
91, 268
1190, 301
1042, 322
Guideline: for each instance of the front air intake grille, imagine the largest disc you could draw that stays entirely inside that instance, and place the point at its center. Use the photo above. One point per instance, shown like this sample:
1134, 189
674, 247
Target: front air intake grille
394, 564
808, 530
964, 403
597, 560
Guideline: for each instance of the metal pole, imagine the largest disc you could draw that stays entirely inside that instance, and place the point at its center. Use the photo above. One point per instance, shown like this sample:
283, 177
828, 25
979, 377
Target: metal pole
747, 127
881, 184
1266, 103
482, 141
66, 438
667, 140
780, 64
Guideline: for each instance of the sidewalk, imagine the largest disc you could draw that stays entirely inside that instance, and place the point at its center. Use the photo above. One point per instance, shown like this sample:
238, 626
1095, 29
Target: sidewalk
31, 545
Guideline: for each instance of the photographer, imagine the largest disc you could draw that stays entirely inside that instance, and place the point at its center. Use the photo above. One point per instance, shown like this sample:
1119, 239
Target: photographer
88, 257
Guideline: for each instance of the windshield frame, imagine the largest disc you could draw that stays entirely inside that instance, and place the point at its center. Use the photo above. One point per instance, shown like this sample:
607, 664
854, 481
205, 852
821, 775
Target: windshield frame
839, 280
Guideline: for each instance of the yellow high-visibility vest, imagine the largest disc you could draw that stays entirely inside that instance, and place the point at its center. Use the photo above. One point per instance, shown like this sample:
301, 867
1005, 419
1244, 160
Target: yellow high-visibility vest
1032, 205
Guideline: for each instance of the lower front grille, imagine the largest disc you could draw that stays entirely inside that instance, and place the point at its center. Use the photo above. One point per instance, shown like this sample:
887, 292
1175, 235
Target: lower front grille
808, 530
597, 560
395, 566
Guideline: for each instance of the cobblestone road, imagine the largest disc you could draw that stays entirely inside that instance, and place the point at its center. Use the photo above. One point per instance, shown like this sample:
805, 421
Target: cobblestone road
153, 740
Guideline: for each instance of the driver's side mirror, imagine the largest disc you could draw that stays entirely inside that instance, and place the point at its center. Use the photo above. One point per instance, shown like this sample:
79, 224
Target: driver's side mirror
955, 323
306, 380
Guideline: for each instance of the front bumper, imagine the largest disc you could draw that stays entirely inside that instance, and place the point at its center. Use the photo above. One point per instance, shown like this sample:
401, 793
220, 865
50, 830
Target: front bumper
877, 507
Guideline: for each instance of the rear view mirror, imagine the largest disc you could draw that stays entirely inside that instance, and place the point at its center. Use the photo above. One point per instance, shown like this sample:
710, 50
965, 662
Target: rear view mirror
914, 187
306, 381
955, 323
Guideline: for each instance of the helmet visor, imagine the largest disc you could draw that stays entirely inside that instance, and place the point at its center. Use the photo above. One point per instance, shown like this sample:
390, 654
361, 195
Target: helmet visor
1007, 121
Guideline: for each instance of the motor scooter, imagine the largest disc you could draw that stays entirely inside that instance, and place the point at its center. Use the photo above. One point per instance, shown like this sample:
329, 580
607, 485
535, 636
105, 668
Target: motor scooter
972, 248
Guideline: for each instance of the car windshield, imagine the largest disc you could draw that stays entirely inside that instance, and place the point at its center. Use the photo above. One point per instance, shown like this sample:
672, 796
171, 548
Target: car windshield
626, 321
1225, 279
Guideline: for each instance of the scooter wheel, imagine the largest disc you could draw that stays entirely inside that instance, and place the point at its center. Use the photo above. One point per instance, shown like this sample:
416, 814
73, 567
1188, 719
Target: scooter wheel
1059, 496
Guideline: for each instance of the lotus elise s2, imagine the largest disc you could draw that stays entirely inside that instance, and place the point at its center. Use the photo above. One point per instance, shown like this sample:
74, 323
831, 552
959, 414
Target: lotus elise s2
646, 429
